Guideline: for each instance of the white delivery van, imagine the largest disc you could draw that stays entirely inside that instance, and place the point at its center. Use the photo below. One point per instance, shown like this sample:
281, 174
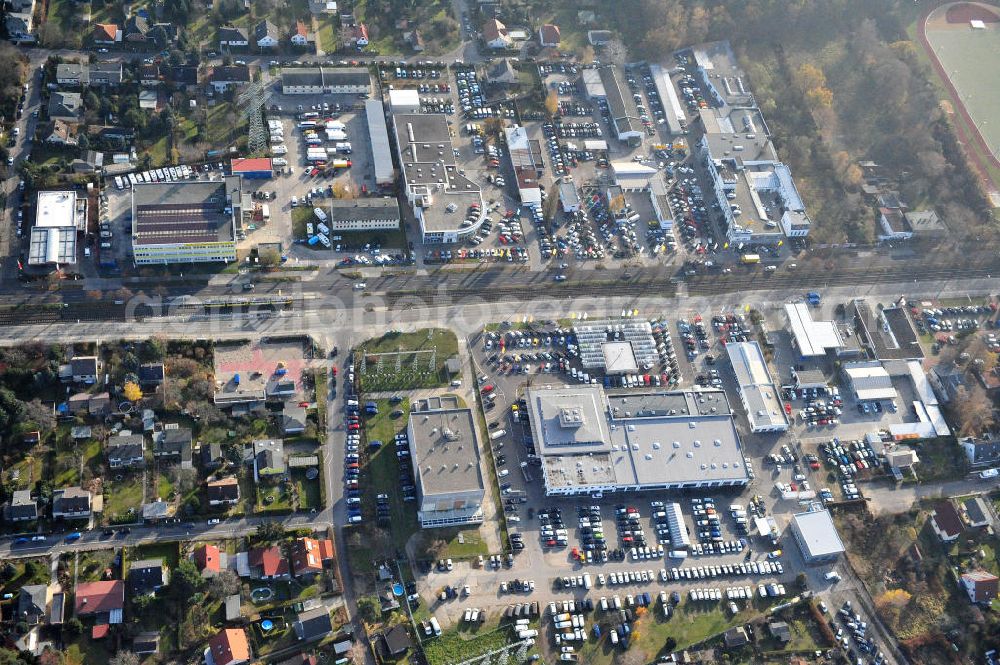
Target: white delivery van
500, 433
320, 214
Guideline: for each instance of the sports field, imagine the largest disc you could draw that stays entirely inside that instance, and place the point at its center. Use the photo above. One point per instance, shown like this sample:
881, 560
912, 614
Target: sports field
968, 59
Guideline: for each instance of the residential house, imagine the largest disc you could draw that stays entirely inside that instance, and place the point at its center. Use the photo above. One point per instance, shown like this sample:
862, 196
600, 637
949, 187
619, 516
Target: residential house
780, 631
21, 507
300, 35
151, 375
503, 73
981, 586
265, 34
81, 432
154, 511
126, 451
268, 563
32, 603
361, 35
229, 76
173, 444
211, 455
228, 647
163, 34
104, 601
395, 642
948, 381
232, 37
224, 492
150, 100
99, 403
313, 625
981, 452
72, 74
496, 35
150, 75
146, 643
147, 576
548, 35
106, 34
209, 560
62, 133
293, 419
91, 161
181, 76
901, 458
81, 369
136, 30
977, 513
106, 73
65, 106
268, 458
308, 555
946, 521
735, 638
19, 21
71, 503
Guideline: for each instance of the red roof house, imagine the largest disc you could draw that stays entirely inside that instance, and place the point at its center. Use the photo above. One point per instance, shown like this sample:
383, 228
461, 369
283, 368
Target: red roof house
229, 647
309, 554
549, 35
981, 586
104, 601
268, 563
207, 559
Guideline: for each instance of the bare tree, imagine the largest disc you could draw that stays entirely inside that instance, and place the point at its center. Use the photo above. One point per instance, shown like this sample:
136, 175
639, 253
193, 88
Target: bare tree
973, 410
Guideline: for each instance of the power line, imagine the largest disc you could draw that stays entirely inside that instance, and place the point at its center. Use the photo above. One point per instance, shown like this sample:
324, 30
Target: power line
252, 101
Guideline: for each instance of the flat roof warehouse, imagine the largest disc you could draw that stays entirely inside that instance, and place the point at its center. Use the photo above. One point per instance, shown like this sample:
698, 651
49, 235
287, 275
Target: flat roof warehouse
590, 442
185, 212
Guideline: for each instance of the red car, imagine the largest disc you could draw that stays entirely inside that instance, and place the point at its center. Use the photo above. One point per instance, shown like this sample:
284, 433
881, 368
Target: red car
353, 427
488, 388
335, 371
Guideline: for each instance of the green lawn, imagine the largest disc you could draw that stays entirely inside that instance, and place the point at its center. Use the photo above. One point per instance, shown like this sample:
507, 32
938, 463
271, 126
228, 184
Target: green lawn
382, 471
327, 35
26, 571
941, 459
389, 241
453, 646
281, 501
122, 495
28, 471
416, 371
164, 486
309, 491
453, 543
93, 564
169, 552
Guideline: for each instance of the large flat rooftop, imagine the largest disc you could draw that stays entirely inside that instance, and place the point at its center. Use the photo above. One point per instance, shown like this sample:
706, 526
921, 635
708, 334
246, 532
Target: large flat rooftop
185, 212
757, 388
445, 451
588, 440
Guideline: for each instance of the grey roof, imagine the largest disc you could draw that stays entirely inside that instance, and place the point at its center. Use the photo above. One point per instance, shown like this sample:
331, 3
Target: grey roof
136, 25
325, 76
757, 388
31, 602
173, 442
445, 451
146, 575
620, 103
302, 76
818, 534
984, 451
65, 104
84, 365
71, 70
378, 135
151, 373
70, 500
364, 209
22, 506
233, 611
977, 511
185, 211
231, 33
265, 29
126, 447
211, 454
269, 454
146, 642
52, 245
313, 624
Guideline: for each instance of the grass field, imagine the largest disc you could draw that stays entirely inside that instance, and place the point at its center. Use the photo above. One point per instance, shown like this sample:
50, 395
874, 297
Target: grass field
123, 495
453, 647
969, 57
410, 375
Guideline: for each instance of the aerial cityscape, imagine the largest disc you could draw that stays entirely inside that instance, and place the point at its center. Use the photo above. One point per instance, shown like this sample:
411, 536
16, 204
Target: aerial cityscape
489, 332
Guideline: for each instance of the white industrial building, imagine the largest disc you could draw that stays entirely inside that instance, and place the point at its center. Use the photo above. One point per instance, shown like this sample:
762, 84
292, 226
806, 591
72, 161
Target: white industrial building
812, 338
869, 381
404, 100
59, 216
817, 537
672, 108
378, 135
369, 214
758, 392
526, 160
591, 443
444, 450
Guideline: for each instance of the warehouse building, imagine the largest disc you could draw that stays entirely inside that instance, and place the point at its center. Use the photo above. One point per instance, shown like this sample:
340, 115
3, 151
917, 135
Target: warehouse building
448, 205
869, 381
325, 80
815, 339
672, 108
404, 100
591, 443
186, 221
252, 168
378, 134
624, 116
364, 215
758, 392
444, 450
59, 217
817, 537
526, 160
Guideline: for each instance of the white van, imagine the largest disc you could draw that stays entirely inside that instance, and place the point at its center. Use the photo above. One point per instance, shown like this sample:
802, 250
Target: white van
832, 576
320, 214
437, 627
498, 434
323, 228
360, 286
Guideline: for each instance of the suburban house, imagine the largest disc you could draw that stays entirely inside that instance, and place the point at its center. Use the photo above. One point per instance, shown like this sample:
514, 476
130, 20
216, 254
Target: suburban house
780, 631
81, 369
146, 577
309, 555
150, 76
313, 625
106, 73
62, 133
233, 37
981, 452
548, 35
977, 513
20, 21
71, 503
211, 455
136, 30
104, 601
300, 35
265, 34
395, 642
946, 521
981, 586
735, 638
65, 105
173, 444
72, 74
268, 458
181, 76
293, 419
209, 560
224, 492
106, 34
151, 375
32, 603
947, 379
495, 34
228, 647
229, 76
89, 161
21, 507
126, 451
268, 563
